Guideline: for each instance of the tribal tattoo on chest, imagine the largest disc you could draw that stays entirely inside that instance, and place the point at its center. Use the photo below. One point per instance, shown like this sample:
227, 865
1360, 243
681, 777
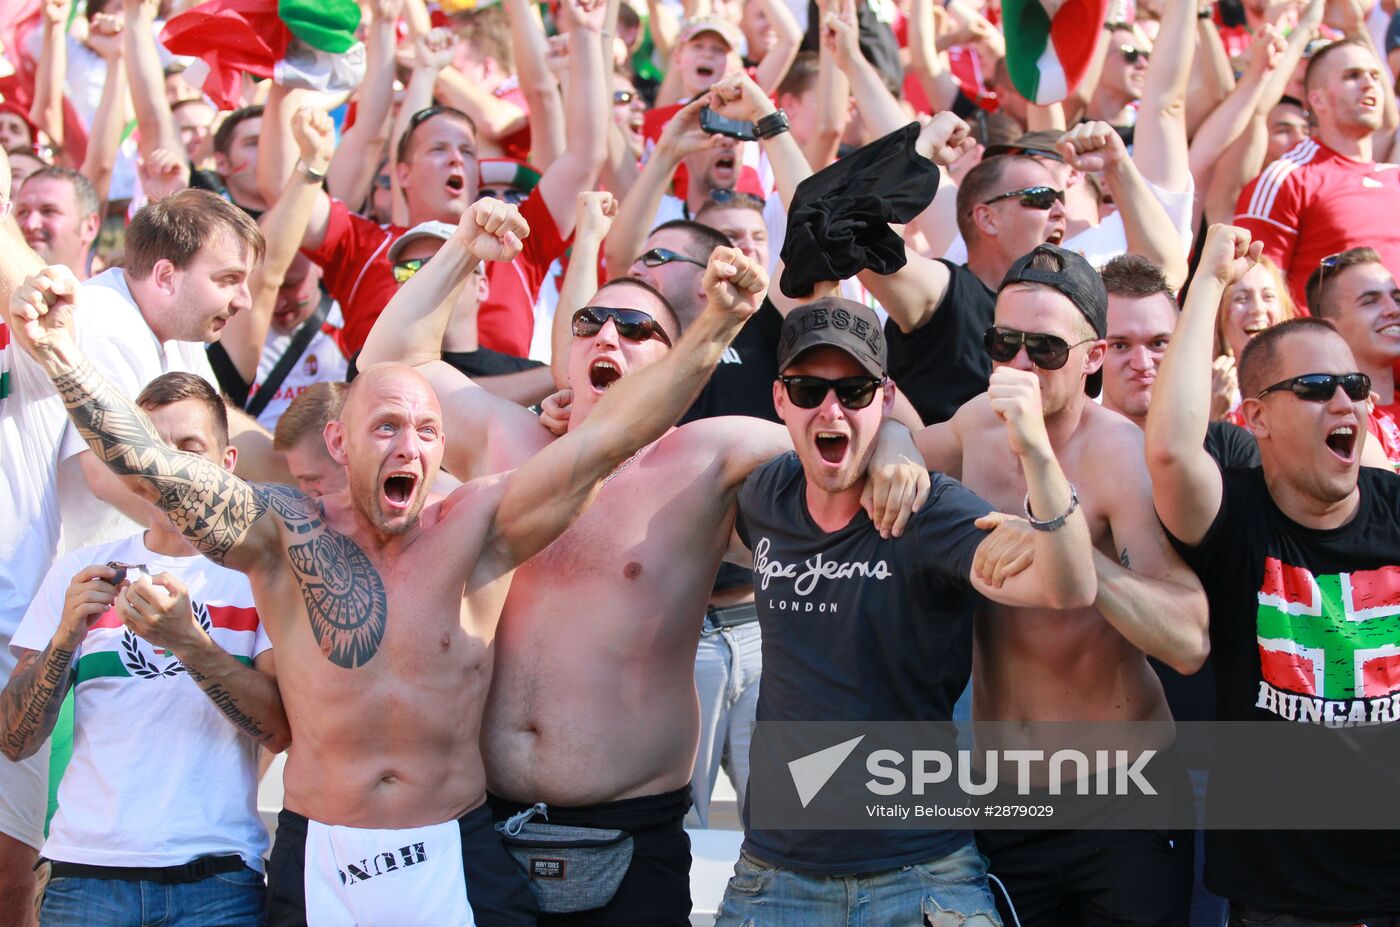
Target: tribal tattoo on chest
343, 592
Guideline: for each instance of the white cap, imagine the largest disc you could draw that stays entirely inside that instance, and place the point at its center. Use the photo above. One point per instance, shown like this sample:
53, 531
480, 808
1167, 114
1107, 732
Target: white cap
442, 231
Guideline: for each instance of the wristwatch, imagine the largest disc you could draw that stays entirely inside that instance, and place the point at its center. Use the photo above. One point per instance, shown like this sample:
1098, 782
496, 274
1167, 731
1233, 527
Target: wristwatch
775, 123
306, 171
1053, 524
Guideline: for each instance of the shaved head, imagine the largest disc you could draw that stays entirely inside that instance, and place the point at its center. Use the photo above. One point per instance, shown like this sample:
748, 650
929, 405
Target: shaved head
365, 388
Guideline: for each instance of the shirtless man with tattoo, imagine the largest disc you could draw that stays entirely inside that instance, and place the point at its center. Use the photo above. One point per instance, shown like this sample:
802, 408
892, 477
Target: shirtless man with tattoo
593, 709
137, 628
383, 603
1087, 664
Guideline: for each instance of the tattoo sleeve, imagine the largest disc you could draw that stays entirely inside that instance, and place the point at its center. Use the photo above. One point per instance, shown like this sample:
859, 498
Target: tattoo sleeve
211, 507
31, 700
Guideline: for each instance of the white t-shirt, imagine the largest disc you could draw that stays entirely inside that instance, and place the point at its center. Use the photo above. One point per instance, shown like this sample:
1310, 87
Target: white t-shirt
321, 361
32, 420
115, 337
157, 776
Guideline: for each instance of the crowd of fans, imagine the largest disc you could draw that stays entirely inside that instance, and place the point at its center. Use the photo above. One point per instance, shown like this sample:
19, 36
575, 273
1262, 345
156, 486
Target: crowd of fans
530, 239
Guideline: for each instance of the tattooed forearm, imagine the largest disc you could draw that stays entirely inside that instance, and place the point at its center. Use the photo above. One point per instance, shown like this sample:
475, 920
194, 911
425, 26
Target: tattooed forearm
210, 506
31, 700
225, 702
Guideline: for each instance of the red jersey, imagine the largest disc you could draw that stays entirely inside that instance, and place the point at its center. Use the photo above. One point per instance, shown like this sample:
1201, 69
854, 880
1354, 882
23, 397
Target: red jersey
354, 259
1313, 202
517, 144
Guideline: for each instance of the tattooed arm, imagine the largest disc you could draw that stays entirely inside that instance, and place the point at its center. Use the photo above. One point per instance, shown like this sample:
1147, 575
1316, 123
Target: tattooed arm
219, 513
31, 699
247, 695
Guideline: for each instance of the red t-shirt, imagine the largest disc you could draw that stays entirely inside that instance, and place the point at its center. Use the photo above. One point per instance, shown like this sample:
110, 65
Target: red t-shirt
1313, 202
517, 144
354, 259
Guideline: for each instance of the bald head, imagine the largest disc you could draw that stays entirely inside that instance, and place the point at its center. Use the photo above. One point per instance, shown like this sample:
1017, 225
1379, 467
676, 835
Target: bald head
381, 380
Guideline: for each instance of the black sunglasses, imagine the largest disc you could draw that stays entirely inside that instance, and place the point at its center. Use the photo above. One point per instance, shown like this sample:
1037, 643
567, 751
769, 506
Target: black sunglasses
404, 270
509, 195
1031, 197
658, 256
1132, 54
632, 324
1048, 352
1321, 387
810, 392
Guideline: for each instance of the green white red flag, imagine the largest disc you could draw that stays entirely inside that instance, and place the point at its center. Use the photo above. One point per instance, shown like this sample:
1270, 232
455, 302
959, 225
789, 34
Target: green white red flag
1049, 44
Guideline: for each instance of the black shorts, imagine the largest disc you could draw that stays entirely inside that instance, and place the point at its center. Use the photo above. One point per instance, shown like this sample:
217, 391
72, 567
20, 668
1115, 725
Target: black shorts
497, 891
655, 892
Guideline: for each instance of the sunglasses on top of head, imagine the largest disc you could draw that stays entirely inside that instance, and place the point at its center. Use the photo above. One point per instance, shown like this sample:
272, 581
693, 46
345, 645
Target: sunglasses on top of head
1048, 352
632, 324
1038, 197
658, 256
809, 392
1321, 387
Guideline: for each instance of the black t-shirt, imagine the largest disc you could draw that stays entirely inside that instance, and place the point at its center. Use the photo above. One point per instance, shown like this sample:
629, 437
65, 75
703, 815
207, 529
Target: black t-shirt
942, 365
742, 383
1231, 446
882, 633
1289, 647
484, 362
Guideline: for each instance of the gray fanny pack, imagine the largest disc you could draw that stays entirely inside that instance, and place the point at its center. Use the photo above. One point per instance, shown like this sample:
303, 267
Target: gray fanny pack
570, 868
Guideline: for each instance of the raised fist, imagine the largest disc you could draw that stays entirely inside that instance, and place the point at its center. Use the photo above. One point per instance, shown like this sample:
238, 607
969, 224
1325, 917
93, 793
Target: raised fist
734, 283
1015, 397
944, 139
41, 309
596, 211
1091, 147
493, 230
1228, 253
315, 137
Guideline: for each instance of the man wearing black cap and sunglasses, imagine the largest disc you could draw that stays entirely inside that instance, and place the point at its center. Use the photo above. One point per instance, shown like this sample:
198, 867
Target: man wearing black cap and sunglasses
1270, 543
884, 633
1051, 317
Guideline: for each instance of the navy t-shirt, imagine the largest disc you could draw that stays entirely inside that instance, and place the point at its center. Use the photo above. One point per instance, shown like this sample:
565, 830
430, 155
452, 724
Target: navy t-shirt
888, 637
1304, 628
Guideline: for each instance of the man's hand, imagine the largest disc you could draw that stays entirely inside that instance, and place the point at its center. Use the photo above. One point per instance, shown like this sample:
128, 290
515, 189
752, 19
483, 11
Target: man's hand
42, 310
55, 13
386, 12
1091, 147
556, 56
596, 211
105, 37
734, 283
162, 617
582, 14
898, 482
164, 173
1267, 50
1015, 396
433, 50
315, 137
493, 230
841, 35
1008, 550
1228, 253
683, 136
739, 97
944, 139
89, 596
554, 411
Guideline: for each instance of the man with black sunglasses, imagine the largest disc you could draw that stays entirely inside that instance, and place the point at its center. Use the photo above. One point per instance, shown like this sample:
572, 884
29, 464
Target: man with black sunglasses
593, 708
1265, 542
884, 632
1051, 320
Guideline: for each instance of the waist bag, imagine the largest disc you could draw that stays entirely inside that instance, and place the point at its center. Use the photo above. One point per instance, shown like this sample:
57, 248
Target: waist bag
570, 868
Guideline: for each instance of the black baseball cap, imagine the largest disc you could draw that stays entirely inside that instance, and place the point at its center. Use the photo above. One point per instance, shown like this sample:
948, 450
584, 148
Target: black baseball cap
1077, 281
841, 323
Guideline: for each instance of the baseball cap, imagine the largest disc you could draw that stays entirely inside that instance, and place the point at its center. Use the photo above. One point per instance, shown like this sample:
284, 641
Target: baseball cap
1077, 281
442, 231
711, 23
840, 323
507, 172
1040, 144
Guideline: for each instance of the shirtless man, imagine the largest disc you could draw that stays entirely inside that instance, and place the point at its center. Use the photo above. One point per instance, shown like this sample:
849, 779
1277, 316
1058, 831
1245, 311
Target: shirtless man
592, 707
384, 606
1085, 664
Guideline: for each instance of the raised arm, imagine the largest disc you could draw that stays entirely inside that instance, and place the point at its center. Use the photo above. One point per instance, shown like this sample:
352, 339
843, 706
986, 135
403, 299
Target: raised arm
46, 111
30, 702
154, 121
596, 211
912, 293
431, 57
1186, 483
1228, 121
774, 66
529, 47
1062, 572
928, 62
554, 486
1159, 141
105, 38
1094, 146
739, 97
221, 515
284, 226
350, 176
879, 110
158, 611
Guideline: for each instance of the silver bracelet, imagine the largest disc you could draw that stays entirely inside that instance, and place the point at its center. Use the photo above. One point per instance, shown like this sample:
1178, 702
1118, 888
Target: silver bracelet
305, 170
1053, 524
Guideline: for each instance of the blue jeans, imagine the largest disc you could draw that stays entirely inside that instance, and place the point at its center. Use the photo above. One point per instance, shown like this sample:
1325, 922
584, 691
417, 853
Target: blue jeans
230, 899
728, 665
947, 892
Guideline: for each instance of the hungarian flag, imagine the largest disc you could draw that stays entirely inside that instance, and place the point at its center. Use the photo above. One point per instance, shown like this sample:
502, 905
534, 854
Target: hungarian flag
307, 44
1049, 44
